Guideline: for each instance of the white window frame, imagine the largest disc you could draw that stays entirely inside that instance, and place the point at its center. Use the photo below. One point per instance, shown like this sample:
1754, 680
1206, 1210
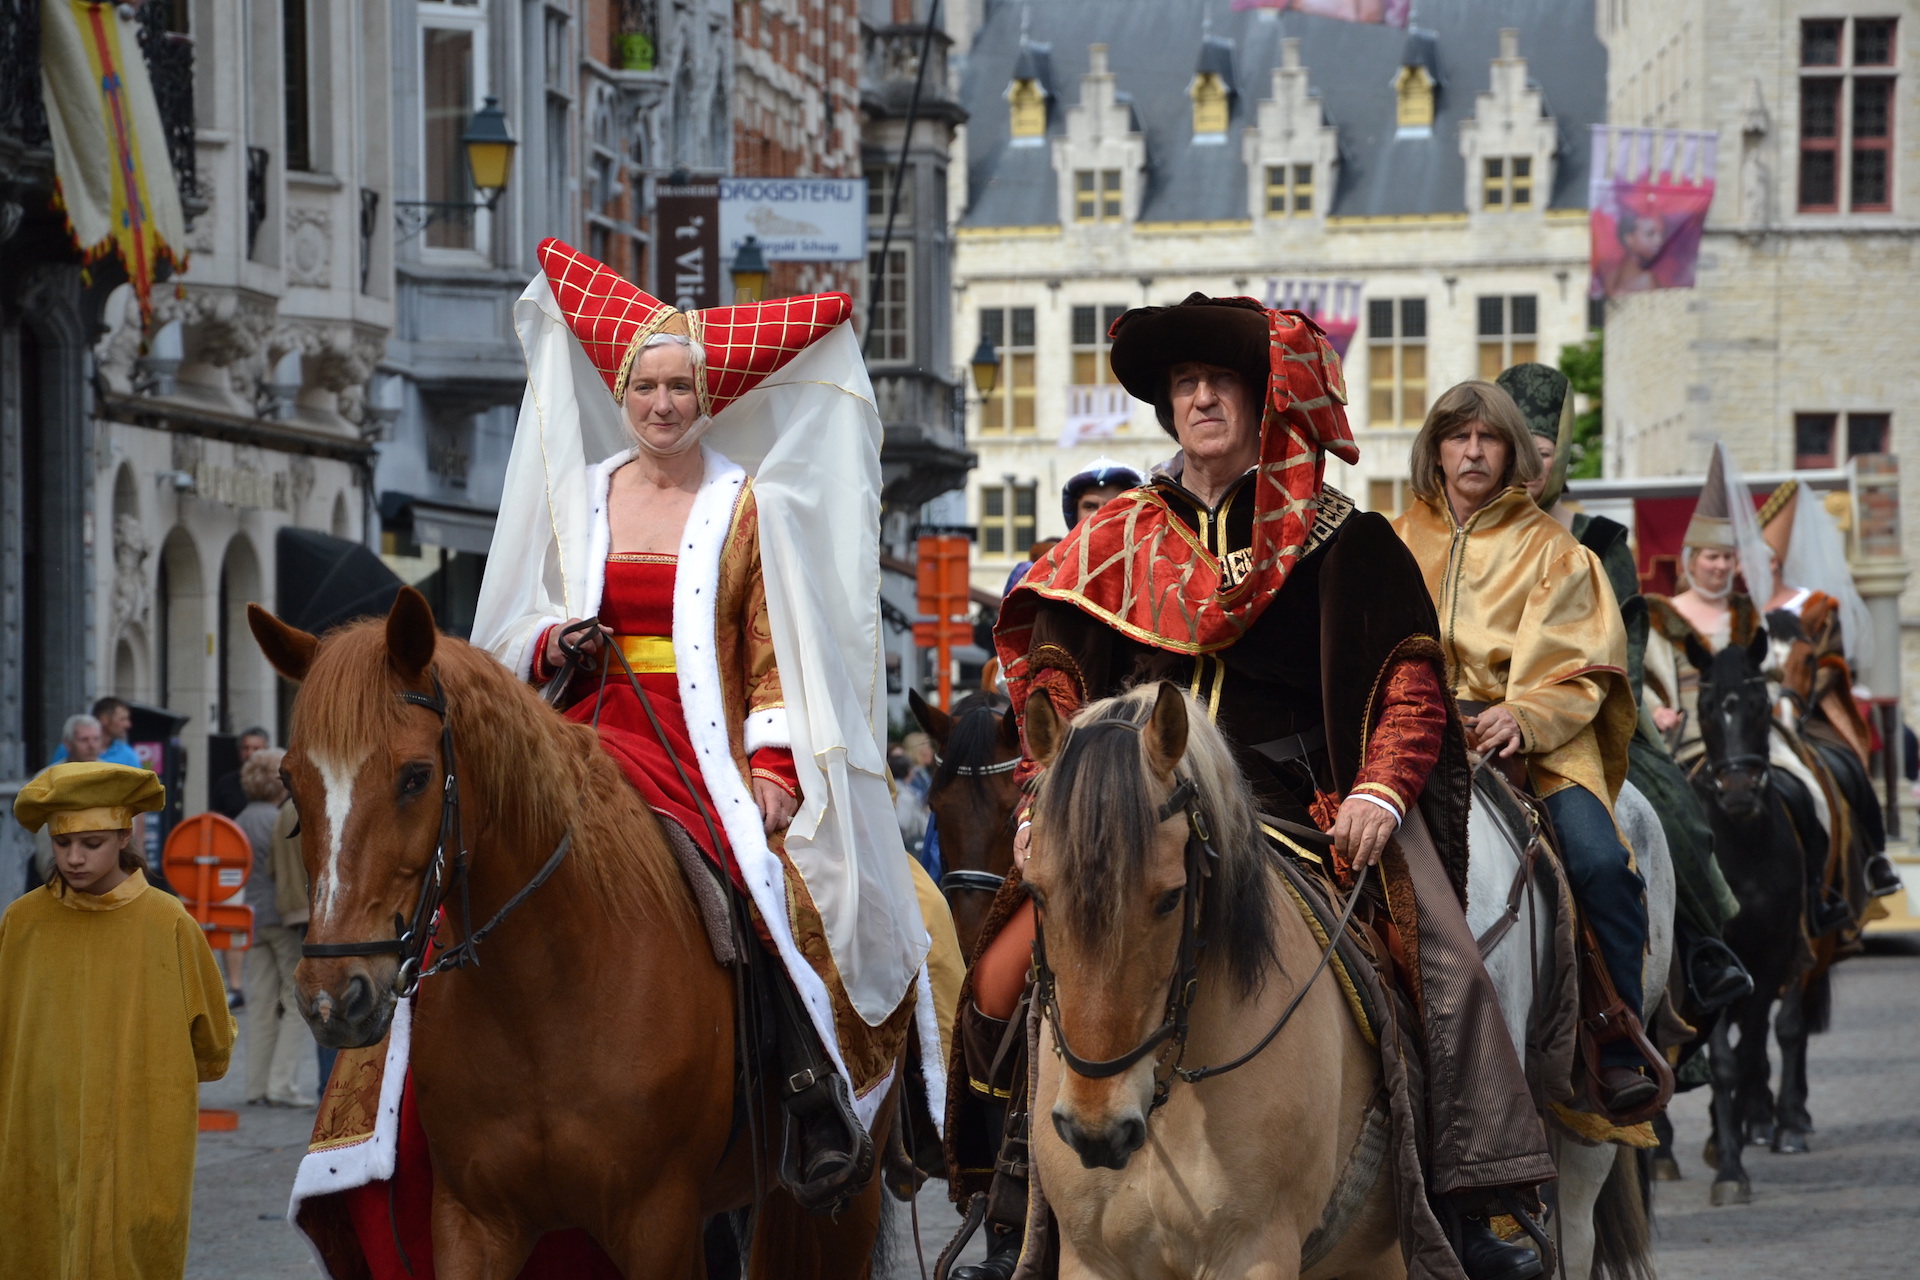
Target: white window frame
472, 18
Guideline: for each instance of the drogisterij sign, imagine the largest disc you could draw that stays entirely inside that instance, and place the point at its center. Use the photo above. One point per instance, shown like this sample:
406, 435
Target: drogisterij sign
795, 219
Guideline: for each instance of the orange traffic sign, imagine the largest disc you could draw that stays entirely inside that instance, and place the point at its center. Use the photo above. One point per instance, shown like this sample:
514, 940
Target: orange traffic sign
227, 928
942, 575
208, 858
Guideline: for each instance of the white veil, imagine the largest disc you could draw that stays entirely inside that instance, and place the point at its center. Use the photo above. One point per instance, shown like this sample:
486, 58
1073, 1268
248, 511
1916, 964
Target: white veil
1756, 562
1817, 558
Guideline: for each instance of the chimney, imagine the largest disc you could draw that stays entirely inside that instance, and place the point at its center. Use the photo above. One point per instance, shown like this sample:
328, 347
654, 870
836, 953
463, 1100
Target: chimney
1097, 59
1290, 53
1509, 43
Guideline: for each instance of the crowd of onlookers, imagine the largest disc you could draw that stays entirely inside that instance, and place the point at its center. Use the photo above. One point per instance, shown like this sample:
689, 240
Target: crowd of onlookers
260, 978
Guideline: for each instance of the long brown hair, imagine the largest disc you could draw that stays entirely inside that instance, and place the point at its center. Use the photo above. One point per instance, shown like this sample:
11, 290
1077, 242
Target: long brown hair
1458, 406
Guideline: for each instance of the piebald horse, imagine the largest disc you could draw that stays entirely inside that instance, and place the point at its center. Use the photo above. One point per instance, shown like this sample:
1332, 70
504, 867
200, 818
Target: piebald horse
583, 1077
1149, 872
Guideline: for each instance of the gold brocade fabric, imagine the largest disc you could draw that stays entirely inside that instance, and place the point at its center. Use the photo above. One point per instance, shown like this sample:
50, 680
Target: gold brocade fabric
111, 1014
750, 681
1528, 620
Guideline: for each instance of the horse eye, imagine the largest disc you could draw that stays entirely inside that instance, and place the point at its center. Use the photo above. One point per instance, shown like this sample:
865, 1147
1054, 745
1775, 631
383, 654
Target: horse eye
1168, 901
413, 780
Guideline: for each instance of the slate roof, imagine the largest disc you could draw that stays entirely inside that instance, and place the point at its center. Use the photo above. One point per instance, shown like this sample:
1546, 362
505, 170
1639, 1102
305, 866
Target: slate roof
1154, 46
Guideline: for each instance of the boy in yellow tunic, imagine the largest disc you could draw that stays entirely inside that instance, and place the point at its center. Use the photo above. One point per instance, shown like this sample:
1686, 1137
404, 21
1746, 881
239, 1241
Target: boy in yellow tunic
111, 1013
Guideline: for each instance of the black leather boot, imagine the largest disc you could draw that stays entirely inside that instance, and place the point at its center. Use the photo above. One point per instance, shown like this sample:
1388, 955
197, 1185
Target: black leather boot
826, 1157
1003, 1255
1827, 913
1715, 975
1485, 1256
1883, 878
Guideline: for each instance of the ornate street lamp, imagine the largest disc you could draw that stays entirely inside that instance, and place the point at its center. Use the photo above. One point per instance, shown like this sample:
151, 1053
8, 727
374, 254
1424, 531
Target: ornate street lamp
489, 144
749, 272
986, 367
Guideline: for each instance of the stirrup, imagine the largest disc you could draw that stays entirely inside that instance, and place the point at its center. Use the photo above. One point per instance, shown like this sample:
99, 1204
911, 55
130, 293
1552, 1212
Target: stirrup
822, 1173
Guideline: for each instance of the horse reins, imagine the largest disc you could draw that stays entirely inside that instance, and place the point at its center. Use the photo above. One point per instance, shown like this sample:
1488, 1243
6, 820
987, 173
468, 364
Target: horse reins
413, 939
1183, 987
967, 881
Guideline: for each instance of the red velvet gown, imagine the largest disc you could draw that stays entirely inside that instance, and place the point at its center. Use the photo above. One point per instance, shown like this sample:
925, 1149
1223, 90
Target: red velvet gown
637, 602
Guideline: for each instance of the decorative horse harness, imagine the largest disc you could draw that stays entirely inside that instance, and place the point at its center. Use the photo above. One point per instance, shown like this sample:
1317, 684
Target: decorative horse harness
1184, 986
968, 881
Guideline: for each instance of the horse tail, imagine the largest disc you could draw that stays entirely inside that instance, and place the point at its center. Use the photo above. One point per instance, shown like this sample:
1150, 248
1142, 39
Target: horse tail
1623, 1223
1817, 1001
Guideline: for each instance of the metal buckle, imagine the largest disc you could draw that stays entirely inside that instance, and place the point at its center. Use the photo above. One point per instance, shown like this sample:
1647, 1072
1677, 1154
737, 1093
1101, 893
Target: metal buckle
801, 1081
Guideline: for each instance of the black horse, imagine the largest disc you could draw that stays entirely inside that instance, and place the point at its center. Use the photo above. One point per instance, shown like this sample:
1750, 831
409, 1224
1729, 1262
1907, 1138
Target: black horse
1766, 835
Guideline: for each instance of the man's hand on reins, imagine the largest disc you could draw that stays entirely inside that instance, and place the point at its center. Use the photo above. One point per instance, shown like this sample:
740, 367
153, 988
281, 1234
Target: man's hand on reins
776, 806
1361, 830
1494, 731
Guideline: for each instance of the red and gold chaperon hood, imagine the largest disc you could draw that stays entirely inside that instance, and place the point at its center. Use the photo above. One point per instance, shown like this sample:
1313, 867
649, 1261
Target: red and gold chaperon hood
1135, 565
744, 343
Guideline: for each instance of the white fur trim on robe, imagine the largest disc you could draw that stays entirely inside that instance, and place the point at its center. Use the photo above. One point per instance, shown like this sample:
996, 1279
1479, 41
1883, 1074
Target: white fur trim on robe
768, 729
811, 437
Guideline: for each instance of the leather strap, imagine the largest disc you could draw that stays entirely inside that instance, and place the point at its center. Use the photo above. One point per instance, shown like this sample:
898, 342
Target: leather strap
1294, 746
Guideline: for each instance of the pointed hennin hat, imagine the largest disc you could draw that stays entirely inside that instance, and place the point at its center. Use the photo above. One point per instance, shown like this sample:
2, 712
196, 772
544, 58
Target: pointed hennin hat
1712, 525
1776, 517
744, 343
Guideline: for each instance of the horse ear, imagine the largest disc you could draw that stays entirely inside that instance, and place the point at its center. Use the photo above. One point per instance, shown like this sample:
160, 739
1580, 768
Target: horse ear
410, 633
289, 649
1044, 730
1009, 729
1757, 648
937, 723
1697, 654
1166, 735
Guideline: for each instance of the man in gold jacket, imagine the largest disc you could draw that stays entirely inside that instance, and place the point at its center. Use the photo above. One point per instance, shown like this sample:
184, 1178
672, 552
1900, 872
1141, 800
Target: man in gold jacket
1536, 654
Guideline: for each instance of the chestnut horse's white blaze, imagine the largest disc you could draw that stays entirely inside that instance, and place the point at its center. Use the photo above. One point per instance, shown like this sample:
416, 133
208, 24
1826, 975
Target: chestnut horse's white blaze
338, 779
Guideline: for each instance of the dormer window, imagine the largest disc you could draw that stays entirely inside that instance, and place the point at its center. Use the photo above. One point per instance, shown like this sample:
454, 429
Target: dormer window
1210, 107
1289, 189
1096, 195
1027, 105
1413, 88
1508, 183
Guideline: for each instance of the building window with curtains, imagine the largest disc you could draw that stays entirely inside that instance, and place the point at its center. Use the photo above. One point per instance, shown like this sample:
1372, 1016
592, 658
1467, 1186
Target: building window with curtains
1096, 195
1008, 519
452, 81
1090, 326
1831, 439
890, 338
1507, 183
1508, 333
1289, 189
1010, 407
1846, 114
1396, 362
299, 89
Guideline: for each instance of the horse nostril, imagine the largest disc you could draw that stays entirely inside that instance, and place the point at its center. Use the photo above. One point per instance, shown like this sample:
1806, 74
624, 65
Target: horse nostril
356, 1002
1131, 1136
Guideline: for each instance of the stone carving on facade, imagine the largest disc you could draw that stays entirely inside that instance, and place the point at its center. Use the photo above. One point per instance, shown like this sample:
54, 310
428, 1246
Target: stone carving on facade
115, 353
203, 236
1756, 175
309, 247
220, 332
130, 551
300, 479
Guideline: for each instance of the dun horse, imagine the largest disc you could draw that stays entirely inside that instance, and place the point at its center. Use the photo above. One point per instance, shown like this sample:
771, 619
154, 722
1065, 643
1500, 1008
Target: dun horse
1232, 1175
972, 801
1765, 863
583, 1077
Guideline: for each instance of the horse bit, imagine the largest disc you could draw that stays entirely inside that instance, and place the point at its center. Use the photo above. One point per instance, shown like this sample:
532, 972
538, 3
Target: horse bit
413, 940
976, 881
1201, 858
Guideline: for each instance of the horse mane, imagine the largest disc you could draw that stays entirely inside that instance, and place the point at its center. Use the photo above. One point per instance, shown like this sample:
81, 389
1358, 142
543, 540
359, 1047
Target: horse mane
523, 767
970, 742
1102, 798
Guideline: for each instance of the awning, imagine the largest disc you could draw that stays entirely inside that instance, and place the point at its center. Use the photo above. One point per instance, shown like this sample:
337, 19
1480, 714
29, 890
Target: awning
326, 581
439, 524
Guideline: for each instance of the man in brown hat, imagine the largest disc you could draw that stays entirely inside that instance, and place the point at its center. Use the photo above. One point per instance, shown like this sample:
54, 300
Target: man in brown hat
1303, 627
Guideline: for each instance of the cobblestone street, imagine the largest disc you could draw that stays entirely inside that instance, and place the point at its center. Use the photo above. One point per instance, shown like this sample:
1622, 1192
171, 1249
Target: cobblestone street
1845, 1211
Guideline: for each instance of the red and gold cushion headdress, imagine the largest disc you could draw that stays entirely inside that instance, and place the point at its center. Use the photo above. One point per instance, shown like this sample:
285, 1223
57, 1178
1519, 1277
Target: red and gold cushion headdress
744, 343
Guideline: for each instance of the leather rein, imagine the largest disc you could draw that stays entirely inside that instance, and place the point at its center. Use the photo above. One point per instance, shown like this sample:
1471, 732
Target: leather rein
1184, 986
446, 873
967, 881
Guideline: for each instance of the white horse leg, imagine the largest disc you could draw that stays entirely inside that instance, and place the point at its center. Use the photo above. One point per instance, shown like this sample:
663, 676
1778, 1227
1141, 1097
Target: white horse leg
1583, 1171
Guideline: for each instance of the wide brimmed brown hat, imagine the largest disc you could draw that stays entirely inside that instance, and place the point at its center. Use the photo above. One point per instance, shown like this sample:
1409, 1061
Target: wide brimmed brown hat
1150, 341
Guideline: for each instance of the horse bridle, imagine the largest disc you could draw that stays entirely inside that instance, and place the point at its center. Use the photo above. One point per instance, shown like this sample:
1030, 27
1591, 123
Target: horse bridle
413, 939
976, 881
1184, 986
1717, 770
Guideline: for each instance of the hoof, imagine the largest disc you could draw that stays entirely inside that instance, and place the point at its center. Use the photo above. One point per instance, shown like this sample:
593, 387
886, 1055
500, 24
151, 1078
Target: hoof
1726, 1193
1666, 1169
1760, 1133
1791, 1142
1710, 1154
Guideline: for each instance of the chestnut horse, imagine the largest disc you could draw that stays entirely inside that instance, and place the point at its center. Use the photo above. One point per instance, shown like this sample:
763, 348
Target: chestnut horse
1148, 868
972, 802
583, 1077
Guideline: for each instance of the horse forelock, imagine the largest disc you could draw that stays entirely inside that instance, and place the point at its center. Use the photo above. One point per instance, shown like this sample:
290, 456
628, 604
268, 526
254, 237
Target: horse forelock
970, 743
524, 770
1101, 805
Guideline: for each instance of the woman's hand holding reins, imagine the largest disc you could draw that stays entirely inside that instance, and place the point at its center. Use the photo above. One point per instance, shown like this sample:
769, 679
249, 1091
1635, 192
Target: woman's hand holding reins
776, 806
589, 642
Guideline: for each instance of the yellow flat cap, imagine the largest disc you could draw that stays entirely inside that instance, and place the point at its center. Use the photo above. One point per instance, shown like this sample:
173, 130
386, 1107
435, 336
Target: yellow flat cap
89, 796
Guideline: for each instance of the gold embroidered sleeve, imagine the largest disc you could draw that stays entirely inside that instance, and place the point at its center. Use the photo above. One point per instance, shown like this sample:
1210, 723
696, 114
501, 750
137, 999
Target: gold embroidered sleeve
762, 671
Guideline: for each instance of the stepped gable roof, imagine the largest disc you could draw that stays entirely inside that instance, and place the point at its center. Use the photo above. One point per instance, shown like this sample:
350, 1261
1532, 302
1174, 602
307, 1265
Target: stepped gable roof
1151, 50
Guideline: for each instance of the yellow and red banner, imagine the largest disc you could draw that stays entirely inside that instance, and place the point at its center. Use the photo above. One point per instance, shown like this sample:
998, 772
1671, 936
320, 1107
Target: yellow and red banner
111, 169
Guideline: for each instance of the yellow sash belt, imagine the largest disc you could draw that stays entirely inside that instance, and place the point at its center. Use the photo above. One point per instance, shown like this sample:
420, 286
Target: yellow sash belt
648, 655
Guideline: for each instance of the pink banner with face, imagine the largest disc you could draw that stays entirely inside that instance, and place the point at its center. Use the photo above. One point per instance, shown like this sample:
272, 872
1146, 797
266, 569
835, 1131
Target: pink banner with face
1386, 13
1649, 196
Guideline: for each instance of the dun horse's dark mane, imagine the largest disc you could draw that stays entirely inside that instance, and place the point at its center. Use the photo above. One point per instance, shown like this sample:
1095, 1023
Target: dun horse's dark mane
970, 742
1100, 804
523, 768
